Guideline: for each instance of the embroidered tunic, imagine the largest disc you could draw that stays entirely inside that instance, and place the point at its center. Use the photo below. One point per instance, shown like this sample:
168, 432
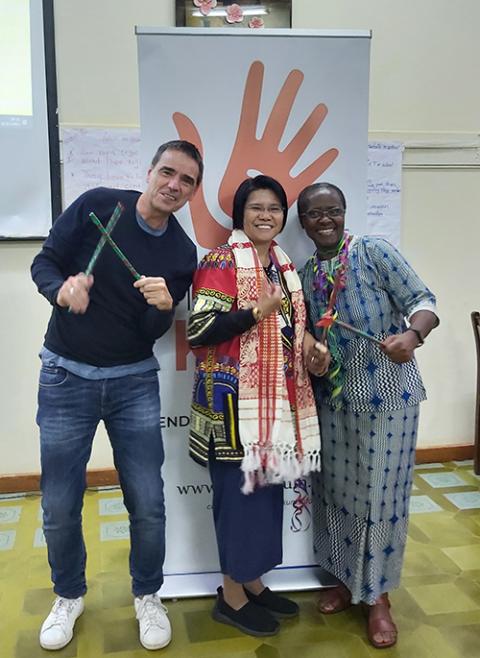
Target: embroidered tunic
214, 330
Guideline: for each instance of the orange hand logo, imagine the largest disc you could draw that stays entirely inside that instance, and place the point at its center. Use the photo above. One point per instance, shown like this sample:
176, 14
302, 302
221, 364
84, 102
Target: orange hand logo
262, 155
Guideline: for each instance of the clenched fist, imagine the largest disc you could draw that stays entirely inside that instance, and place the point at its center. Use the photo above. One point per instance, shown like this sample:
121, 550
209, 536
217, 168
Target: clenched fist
74, 293
155, 291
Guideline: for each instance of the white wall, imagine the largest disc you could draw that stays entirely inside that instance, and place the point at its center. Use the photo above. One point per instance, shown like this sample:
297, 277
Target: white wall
424, 87
424, 60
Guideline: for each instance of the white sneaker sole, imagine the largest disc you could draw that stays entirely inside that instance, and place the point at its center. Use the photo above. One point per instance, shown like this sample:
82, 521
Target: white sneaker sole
154, 647
56, 647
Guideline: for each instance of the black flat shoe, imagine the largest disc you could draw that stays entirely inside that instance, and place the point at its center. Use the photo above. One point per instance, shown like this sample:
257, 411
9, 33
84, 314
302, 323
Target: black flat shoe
250, 619
277, 605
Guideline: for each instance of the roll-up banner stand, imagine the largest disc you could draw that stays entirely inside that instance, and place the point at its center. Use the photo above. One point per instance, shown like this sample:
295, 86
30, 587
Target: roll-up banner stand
292, 104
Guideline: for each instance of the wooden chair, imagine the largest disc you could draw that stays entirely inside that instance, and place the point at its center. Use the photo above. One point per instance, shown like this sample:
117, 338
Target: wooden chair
475, 315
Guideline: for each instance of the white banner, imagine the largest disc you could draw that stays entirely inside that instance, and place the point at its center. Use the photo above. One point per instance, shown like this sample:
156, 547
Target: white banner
290, 104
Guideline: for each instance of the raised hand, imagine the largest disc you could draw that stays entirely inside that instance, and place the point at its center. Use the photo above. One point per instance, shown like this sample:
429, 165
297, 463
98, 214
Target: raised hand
258, 154
270, 299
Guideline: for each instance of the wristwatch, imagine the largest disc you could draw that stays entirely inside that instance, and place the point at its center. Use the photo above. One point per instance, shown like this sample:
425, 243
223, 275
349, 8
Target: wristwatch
418, 335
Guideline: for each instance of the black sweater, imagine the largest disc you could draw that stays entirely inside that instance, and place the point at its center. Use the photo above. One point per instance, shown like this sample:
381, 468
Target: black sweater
119, 327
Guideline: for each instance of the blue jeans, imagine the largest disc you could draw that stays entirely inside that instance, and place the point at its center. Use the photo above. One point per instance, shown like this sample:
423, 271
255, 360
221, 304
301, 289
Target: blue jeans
69, 410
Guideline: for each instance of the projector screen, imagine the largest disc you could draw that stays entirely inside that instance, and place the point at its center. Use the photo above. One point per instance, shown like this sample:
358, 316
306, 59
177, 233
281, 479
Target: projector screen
30, 171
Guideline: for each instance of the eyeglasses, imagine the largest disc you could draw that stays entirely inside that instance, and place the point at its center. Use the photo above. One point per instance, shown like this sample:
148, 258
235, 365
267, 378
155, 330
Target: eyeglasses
317, 213
270, 210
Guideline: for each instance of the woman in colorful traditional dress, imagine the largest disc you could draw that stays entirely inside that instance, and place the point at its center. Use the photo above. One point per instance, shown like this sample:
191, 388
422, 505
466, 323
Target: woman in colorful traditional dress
253, 416
368, 405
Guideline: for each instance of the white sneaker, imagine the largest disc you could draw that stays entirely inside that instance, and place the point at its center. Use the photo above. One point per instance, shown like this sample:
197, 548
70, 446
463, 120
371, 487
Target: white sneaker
57, 629
155, 629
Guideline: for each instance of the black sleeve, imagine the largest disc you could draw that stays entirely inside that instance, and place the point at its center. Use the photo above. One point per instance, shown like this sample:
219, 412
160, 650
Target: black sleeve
223, 327
155, 323
53, 264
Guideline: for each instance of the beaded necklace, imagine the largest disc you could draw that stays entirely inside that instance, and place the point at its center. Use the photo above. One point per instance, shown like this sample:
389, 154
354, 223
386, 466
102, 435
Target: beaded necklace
328, 283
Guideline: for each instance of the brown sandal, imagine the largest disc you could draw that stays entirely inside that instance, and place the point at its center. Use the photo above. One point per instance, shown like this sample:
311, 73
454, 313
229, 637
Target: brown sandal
380, 622
334, 599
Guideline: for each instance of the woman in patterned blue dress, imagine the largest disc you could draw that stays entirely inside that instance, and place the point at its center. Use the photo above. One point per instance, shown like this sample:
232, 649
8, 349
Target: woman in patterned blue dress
368, 404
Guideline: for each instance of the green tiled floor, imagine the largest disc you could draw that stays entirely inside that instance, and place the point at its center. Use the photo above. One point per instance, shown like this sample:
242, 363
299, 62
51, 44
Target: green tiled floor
437, 609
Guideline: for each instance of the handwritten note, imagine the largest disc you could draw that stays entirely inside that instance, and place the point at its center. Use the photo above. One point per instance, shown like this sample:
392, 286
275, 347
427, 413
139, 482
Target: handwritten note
94, 157
384, 190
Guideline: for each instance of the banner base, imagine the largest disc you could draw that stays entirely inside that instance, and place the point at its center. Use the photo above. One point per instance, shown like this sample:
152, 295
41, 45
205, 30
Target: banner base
288, 579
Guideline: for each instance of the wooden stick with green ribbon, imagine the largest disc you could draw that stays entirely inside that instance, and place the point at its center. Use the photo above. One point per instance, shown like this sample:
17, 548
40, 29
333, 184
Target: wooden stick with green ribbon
119, 208
328, 319
114, 246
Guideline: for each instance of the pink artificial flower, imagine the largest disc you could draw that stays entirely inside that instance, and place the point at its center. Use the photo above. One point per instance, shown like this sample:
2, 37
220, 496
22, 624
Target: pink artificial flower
256, 22
205, 6
234, 14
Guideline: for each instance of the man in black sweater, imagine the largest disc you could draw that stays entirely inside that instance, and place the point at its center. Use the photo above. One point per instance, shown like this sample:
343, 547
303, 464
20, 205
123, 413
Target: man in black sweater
98, 364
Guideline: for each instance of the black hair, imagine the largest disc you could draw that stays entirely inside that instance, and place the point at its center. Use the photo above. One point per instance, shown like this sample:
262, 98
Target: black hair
185, 147
248, 186
305, 193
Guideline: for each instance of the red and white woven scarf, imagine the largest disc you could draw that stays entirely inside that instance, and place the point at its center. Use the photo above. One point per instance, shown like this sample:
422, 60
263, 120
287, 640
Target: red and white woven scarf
280, 443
